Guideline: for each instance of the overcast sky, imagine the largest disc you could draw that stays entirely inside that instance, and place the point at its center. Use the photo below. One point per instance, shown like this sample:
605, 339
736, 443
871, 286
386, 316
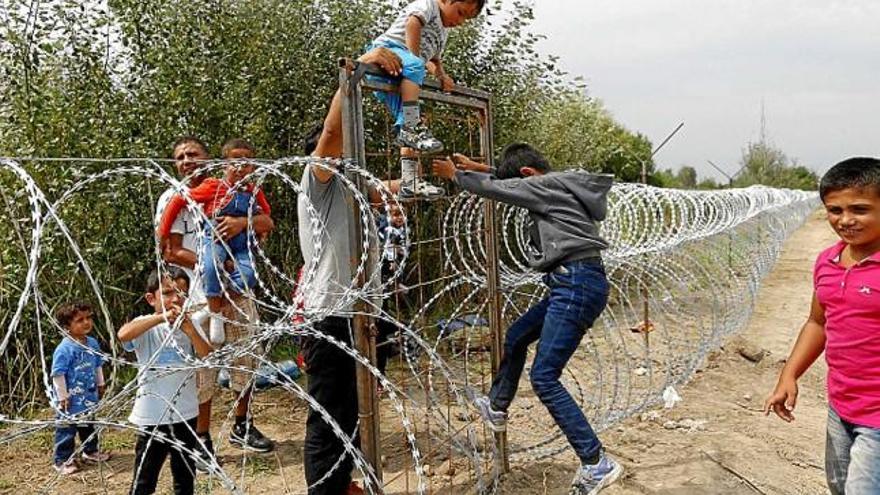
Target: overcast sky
710, 63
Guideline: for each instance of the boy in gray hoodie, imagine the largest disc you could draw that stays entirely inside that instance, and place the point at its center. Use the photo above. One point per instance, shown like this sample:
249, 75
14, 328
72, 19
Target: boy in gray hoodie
565, 244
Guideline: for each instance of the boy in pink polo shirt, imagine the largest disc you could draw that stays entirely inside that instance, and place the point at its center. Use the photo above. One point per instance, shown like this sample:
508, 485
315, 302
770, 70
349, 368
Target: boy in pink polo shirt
844, 322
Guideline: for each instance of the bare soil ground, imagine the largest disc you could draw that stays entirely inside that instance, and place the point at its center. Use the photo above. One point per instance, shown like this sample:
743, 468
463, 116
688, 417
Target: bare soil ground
716, 441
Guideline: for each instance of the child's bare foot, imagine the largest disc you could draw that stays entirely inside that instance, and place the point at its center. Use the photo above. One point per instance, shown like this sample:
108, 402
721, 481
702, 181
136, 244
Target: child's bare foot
68, 468
96, 456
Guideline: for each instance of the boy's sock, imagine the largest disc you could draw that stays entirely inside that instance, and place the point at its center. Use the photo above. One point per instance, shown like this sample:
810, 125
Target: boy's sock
595, 459
240, 420
408, 171
218, 333
198, 320
411, 114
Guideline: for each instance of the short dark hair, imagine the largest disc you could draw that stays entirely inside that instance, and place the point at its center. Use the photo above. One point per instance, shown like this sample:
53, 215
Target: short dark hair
480, 3
172, 272
518, 155
188, 139
310, 140
67, 312
858, 173
237, 144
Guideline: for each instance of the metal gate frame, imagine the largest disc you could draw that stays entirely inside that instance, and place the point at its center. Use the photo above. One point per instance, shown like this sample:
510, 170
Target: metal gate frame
352, 83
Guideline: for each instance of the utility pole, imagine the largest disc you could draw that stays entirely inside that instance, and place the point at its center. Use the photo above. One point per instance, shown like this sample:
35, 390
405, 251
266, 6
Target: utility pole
730, 178
656, 150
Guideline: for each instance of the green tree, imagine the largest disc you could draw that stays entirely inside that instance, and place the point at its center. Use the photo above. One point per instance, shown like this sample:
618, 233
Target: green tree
123, 78
575, 131
709, 184
687, 177
765, 164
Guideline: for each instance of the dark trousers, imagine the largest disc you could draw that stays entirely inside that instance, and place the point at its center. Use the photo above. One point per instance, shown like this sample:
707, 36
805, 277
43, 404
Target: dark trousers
385, 347
150, 453
578, 294
332, 383
65, 441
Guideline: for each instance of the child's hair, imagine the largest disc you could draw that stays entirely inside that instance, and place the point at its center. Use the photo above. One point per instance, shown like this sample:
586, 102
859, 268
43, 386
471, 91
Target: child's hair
188, 139
858, 173
518, 155
172, 272
310, 141
480, 3
67, 312
237, 144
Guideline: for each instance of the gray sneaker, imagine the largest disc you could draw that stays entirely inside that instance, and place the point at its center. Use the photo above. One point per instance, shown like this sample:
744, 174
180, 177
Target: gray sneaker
418, 137
592, 478
495, 420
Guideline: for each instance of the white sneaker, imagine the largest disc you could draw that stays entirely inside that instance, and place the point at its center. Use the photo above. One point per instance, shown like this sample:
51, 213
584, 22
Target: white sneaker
495, 420
592, 479
420, 190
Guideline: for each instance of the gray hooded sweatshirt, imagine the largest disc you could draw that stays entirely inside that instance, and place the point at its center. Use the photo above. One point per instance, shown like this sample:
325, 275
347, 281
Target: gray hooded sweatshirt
564, 208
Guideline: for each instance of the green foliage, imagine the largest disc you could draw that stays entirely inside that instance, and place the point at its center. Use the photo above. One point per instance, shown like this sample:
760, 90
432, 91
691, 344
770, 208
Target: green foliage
708, 184
576, 131
687, 176
126, 77
764, 164
82, 81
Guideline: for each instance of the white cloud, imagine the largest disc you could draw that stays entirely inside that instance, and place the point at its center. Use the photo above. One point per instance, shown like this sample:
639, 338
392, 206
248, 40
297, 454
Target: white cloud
815, 64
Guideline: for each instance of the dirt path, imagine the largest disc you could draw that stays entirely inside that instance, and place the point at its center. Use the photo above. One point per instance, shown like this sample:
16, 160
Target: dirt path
730, 447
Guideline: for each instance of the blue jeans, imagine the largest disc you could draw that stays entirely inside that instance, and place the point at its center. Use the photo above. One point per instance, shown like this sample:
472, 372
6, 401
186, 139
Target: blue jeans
852, 457
65, 441
558, 323
216, 253
413, 69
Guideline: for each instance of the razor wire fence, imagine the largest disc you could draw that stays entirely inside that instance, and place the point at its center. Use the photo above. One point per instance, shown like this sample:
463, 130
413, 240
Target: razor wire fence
684, 268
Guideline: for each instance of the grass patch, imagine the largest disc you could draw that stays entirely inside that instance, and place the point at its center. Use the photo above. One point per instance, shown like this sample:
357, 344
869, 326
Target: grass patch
117, 441
257, 465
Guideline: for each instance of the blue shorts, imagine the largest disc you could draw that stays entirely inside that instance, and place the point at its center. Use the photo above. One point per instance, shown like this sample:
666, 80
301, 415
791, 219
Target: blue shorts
413, 69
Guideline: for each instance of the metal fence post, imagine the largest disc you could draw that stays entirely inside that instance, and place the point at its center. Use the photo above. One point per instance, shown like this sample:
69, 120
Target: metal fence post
492, 281
364, 330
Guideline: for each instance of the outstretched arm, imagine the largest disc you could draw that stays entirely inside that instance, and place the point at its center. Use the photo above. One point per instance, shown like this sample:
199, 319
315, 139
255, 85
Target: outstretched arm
462, 162
330, 143
516, 192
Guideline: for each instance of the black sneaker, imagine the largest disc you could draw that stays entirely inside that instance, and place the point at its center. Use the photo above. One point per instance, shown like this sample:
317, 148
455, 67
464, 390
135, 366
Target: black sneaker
418, 137
247, 436
204, 456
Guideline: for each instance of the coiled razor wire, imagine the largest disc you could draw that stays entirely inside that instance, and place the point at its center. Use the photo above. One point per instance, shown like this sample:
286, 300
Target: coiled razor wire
684, 268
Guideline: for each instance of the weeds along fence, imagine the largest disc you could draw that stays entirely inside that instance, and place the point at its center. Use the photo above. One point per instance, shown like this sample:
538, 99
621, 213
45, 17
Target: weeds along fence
684, 267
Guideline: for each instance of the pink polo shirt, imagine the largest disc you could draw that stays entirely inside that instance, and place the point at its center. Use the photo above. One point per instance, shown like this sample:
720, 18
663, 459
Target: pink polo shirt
851, 298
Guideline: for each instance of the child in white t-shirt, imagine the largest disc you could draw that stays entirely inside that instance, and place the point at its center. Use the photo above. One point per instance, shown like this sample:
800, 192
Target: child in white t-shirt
166, 405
